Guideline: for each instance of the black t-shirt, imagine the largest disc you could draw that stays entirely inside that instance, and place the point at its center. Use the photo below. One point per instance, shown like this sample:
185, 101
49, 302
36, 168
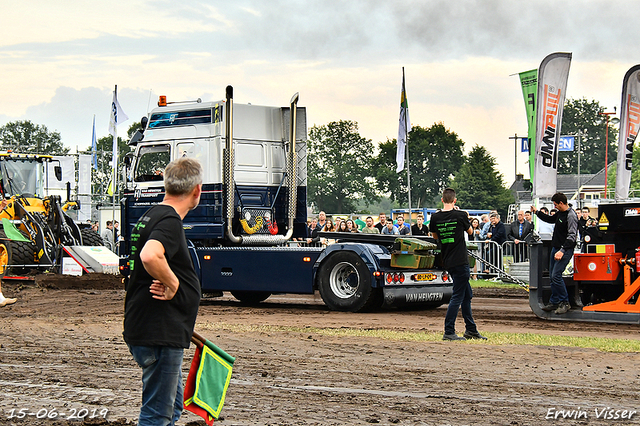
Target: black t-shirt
450, 226
419, 231
152, 322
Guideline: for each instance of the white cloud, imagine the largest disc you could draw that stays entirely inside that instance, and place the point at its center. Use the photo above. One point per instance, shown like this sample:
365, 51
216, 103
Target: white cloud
344, 58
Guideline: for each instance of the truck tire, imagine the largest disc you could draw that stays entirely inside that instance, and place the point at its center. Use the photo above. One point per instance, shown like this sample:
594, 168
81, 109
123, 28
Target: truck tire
15, 253
251, 297
90, 237
345, 283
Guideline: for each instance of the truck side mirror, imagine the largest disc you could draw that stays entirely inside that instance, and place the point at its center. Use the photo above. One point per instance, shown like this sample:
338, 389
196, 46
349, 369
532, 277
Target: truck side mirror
57, 170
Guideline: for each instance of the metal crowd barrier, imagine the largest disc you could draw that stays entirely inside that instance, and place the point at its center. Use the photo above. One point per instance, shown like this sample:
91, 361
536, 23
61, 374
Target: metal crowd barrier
491, 254
517, 252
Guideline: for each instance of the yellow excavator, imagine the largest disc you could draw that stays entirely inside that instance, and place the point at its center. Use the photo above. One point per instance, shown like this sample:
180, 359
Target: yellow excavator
35, 227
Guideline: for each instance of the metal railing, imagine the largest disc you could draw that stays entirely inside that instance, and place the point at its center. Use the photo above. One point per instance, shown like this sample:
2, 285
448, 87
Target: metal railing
491, 254
518, 252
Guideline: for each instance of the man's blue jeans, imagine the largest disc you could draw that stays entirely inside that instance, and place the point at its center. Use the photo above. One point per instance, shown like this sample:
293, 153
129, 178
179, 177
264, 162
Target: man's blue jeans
556, 268
461, 297
162, 393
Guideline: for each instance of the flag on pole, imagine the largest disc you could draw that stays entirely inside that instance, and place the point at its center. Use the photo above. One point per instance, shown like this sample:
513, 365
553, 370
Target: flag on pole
629, 125
404, 128
552, 85
117, 116
207, 382
529, 83
94, 146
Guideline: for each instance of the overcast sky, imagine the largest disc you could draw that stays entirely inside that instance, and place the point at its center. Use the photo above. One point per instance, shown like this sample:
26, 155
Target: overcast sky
60, 60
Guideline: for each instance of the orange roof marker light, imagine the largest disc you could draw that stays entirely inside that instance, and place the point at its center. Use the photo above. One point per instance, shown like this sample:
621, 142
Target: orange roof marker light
162, 101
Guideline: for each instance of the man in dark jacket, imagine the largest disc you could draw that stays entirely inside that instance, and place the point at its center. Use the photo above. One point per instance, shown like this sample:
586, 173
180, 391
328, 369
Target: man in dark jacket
564, 238
498, 234
520, 233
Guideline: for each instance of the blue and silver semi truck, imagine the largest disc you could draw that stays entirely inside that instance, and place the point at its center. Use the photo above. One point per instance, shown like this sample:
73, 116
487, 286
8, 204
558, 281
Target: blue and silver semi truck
253, 209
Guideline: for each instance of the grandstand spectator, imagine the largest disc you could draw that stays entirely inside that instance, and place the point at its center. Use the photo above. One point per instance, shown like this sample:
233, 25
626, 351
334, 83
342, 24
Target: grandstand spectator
403, 229
419, 228
382, 217
369, 228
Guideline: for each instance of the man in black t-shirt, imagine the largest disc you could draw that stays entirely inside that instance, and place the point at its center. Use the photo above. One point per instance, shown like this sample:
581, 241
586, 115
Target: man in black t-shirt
448, 226
419, 228
163, 294
382, 217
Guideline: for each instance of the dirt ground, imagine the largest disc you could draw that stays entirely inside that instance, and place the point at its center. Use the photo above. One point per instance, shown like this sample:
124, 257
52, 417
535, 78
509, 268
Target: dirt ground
61, 351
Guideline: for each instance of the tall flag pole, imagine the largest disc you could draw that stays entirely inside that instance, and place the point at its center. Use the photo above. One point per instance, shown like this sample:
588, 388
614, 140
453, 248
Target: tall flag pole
117, 116
403, 130
552, 85
629, 124
529, 83
94, 146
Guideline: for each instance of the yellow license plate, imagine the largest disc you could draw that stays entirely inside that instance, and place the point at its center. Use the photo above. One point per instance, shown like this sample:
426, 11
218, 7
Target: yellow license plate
425, 277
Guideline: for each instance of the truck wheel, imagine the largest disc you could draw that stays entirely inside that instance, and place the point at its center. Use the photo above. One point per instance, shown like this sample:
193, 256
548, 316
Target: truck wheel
345, 283
15, 253
251, 297
90, 237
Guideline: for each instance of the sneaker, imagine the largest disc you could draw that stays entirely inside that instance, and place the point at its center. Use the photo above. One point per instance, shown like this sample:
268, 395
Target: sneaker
550, 307
563, 308
474, 335
8, 301
452, 337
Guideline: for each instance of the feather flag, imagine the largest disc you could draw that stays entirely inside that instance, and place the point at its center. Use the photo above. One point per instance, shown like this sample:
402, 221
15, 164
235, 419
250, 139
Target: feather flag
529, 83
117, 116
629, 126
552, 84
94, 146
404, 127
208, 380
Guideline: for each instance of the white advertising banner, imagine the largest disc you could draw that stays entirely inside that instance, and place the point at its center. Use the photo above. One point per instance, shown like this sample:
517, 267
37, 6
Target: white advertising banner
68, 172
552, 85
84, 174
629, 124
84, 214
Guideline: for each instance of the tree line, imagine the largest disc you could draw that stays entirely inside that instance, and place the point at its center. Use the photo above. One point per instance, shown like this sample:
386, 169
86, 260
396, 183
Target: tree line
346, 174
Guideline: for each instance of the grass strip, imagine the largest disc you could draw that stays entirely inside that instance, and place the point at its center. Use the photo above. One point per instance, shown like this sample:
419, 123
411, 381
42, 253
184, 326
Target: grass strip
602, 344
492, 284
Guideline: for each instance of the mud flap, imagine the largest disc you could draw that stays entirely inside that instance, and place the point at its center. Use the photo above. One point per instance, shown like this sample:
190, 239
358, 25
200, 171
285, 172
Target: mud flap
402, 296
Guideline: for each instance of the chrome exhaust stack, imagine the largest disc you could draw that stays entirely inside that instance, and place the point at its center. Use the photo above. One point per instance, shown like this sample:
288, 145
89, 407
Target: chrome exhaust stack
228, 163
228, 178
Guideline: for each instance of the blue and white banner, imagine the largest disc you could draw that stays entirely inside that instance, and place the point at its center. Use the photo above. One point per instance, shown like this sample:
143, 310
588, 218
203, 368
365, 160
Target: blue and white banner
566, 144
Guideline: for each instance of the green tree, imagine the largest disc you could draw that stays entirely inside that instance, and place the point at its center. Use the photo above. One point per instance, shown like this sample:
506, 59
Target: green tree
25, 137
581, 115
339, 167
479, 185
435, 153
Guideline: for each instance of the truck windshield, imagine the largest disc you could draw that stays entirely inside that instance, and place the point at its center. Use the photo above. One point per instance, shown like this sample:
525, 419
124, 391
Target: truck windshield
21, 177
151, 163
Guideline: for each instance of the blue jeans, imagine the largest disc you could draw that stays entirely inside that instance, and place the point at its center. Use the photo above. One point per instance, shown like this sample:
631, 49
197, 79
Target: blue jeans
461, 297
162, 393
556, 268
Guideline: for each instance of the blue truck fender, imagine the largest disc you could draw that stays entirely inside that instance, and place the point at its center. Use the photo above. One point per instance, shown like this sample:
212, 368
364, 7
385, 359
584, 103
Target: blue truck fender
194, 259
